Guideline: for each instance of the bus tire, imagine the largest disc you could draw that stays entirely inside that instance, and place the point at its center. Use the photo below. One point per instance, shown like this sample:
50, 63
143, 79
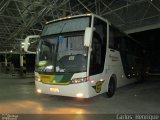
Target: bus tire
111, 88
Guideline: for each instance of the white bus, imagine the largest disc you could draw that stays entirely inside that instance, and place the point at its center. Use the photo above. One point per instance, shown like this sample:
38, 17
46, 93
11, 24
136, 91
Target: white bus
84, 56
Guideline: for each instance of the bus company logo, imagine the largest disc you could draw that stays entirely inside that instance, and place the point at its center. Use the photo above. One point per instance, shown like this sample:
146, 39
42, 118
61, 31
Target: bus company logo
98, 86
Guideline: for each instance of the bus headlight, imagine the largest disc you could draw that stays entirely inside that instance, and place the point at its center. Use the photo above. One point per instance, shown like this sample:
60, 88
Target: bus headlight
78, 80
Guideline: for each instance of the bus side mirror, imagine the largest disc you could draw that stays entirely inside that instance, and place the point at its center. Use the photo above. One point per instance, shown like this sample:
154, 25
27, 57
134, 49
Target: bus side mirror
88, 36
30, 44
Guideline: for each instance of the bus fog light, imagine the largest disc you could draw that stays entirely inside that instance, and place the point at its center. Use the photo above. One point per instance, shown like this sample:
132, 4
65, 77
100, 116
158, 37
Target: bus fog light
79, 95
39, 91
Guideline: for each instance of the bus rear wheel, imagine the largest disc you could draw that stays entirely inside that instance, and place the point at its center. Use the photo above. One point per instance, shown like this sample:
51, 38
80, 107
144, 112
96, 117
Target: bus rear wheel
111, 88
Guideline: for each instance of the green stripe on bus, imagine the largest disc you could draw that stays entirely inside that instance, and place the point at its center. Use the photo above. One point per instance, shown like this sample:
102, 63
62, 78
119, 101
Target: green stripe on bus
63, 78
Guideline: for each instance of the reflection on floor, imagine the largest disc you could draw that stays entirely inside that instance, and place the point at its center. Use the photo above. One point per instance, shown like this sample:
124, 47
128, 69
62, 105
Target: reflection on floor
18, 96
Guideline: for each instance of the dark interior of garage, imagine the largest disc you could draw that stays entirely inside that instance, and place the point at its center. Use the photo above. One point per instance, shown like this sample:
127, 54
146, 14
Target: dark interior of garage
150, 40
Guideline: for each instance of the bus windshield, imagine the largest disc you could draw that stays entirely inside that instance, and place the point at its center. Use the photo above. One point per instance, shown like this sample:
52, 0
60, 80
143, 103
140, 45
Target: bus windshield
61, 49
62, 54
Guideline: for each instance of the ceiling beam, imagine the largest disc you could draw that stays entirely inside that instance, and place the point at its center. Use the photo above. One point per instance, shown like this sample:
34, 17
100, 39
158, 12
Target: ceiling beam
144, 28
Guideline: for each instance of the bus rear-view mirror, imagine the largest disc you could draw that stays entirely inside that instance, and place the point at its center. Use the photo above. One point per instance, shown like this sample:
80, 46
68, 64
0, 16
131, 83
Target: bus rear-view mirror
88, 36
31, 43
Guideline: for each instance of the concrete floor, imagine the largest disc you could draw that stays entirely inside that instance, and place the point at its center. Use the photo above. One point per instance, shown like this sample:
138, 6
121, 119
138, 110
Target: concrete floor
18, 96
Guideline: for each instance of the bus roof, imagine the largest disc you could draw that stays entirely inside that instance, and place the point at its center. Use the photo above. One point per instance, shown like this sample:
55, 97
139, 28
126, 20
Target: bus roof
75, 16
68, 17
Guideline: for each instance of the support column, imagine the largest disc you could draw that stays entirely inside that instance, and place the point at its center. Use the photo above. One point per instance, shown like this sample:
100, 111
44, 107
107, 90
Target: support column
24, 65
21, 60
21, 66
5, 62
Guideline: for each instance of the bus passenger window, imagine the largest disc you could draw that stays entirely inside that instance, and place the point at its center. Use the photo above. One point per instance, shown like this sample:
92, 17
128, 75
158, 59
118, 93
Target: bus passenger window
99, 41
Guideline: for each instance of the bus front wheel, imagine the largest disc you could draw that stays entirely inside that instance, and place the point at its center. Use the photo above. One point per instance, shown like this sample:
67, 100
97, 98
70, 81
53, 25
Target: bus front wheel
111, 88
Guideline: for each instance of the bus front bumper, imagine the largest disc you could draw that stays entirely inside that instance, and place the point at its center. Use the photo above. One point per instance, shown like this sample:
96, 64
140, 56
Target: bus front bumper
80, 90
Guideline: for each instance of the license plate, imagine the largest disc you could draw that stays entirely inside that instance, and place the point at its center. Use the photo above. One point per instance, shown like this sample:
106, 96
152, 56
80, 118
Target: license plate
56, 90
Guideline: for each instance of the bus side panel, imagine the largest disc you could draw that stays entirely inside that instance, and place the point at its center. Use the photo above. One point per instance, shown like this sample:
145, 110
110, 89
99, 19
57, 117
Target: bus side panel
115, 65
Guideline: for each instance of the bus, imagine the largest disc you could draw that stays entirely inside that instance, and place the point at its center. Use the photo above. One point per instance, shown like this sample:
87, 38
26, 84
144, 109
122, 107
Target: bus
84, 56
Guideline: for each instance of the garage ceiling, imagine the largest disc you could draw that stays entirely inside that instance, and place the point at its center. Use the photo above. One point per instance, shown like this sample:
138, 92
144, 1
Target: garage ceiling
19, 18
